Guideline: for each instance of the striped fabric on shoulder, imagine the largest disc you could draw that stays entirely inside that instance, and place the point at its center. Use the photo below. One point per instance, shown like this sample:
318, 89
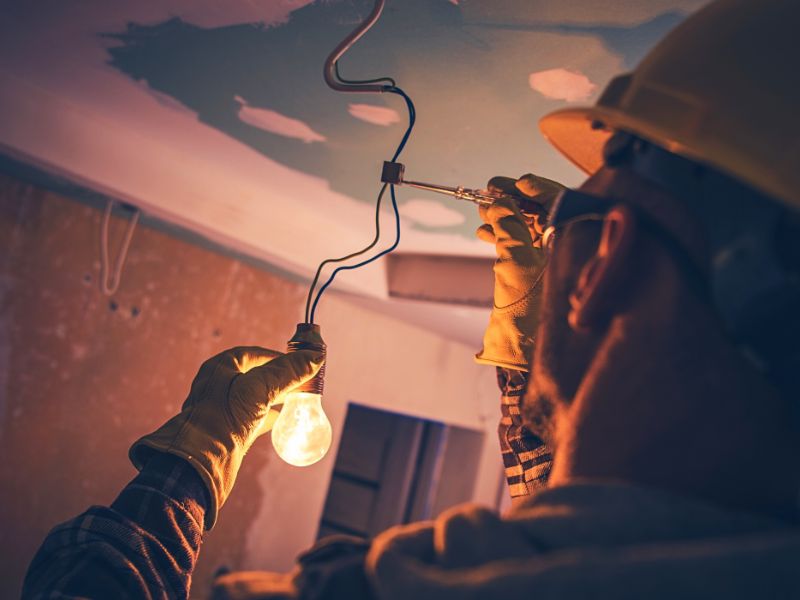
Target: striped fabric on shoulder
526, 458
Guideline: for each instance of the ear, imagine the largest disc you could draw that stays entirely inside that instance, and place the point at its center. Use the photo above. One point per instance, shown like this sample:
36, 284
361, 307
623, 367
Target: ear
592, 300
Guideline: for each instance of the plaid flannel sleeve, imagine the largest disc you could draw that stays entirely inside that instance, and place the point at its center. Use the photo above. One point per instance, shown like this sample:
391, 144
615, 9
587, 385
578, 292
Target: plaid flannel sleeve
144, 545
526, 459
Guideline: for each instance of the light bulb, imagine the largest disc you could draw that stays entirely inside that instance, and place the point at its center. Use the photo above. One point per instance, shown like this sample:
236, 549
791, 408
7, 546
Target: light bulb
302, 433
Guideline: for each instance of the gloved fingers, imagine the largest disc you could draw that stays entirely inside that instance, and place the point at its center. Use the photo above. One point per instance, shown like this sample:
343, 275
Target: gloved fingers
502, 184
251, 394
285, 372
233, 361
501, 206
248, 357
509, 227
216, 374
268, 422
485, 233
506, 185
539, 189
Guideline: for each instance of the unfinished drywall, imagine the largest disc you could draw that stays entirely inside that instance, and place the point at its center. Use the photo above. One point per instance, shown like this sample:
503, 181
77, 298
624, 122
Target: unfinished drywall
83, 375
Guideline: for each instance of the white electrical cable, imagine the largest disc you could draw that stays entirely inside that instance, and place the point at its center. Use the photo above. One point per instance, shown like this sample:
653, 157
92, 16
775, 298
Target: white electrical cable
110, 285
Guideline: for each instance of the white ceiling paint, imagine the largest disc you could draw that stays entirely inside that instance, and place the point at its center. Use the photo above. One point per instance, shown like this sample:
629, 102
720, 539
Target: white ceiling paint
561, 84
377, 115
274, 122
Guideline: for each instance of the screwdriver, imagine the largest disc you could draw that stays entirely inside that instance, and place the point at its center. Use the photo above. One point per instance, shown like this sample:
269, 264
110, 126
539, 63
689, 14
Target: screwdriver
393, 173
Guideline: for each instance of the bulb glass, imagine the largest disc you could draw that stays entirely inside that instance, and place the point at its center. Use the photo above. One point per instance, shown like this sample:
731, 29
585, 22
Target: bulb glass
302, 433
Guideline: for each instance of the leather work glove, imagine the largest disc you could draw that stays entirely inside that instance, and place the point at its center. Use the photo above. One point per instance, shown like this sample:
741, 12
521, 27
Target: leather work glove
227, 409
508, 340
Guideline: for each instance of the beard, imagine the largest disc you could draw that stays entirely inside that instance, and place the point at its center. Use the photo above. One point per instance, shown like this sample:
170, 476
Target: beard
562, 356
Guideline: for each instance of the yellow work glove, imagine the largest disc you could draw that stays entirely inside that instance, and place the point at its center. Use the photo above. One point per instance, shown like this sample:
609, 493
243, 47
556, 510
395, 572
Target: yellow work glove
508, 341
225, 412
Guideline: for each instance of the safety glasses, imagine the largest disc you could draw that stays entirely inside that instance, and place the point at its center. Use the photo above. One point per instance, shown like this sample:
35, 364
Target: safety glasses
572, 206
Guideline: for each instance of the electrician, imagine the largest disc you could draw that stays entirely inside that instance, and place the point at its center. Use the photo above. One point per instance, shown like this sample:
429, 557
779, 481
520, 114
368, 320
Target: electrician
664, 375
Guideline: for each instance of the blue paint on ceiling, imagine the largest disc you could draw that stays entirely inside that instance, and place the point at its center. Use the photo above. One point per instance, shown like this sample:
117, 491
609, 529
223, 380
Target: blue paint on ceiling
631, 43
477, 113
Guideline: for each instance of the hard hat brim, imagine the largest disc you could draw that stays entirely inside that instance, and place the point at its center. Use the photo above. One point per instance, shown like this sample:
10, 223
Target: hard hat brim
576, 133
580, 134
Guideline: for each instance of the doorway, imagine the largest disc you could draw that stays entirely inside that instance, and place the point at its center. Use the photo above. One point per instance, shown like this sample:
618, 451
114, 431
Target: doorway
392, 469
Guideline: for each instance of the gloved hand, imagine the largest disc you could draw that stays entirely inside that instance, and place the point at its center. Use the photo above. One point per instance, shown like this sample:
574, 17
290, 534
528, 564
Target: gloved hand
508, 340
225, 412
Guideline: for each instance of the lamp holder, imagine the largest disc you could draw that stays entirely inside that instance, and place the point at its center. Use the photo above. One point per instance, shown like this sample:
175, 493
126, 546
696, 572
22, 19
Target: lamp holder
307, 337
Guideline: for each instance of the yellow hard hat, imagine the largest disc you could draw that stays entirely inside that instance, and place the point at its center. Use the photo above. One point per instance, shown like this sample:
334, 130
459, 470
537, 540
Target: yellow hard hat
722, 89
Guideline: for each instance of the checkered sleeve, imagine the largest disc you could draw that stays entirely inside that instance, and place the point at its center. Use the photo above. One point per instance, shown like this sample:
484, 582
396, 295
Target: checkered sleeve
526, 458
144, 545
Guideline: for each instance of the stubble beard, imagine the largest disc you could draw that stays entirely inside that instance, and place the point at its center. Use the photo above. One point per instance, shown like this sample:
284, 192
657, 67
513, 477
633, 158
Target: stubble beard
561, 359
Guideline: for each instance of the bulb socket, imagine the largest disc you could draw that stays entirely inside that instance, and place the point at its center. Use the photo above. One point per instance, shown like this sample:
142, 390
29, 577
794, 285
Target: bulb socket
307, 337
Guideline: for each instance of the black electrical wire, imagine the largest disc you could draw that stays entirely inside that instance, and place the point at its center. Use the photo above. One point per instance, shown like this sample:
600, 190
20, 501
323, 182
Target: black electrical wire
371, 245
412, 115
387, 80
367, 248
369, 260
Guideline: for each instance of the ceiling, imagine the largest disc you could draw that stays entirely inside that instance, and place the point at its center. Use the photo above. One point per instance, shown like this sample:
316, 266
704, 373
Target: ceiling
214, 116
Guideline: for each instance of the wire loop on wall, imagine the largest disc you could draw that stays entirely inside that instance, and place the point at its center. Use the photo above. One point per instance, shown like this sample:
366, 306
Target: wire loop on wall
109, 282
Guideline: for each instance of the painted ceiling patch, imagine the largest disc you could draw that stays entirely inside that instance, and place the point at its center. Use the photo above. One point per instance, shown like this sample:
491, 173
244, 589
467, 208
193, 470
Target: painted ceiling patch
377, 115
275, 122
562, 84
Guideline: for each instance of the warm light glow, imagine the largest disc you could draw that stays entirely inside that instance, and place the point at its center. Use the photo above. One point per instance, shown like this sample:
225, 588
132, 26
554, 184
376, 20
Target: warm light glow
302, 434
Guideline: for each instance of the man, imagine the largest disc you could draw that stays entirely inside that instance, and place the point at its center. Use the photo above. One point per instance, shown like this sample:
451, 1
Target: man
664, 374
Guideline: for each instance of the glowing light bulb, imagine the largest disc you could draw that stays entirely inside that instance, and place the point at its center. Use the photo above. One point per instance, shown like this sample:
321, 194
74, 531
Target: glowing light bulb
302, 433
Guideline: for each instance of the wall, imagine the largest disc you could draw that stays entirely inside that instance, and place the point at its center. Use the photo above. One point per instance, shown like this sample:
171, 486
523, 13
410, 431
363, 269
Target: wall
83, 375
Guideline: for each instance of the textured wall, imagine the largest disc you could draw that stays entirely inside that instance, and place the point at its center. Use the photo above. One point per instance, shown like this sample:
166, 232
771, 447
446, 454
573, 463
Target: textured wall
83, 375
